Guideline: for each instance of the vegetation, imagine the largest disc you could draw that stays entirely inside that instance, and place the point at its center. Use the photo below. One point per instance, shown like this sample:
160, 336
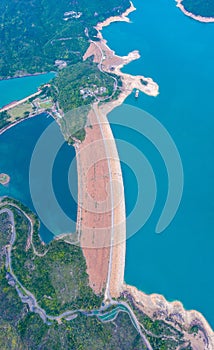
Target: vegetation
20, 111
38, 36
194, 329
160, 334
33, 106
204, 8
4, 119
58, 280
82, 333
35, 34
26, 330
72, 79
14, 114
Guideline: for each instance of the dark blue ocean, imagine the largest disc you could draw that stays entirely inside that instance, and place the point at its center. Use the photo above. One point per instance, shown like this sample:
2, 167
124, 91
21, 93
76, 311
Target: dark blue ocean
178, 53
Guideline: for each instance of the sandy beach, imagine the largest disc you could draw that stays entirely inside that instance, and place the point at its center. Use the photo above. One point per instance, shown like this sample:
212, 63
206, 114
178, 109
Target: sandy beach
189, 14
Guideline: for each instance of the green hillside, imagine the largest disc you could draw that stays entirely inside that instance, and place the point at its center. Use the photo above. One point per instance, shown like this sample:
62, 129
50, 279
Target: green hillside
36, 33
204, 8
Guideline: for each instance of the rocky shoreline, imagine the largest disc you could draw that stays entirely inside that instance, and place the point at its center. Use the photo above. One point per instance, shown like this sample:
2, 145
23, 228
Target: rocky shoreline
192, 15
155, 306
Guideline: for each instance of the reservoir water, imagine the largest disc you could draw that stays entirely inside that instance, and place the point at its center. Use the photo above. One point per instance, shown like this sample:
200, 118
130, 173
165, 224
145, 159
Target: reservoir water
18, 88
16, 147
178, 53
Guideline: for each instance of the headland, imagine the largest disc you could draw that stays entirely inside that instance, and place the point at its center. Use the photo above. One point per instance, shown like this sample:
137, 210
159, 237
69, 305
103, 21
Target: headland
192, 15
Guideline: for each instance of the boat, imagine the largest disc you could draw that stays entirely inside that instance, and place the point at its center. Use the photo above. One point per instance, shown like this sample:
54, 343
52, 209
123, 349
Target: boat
137, 93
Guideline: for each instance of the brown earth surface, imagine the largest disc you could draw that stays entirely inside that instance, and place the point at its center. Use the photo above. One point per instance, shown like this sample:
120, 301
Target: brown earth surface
101, 211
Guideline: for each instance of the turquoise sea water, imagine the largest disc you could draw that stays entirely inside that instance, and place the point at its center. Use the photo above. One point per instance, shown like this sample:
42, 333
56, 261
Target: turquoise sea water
178, 53
16, 89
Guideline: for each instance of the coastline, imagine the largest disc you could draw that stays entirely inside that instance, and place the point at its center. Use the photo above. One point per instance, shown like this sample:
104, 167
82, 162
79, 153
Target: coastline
4, 129
25, 75
192, 15
122, 18
158, 301
114, 277
19, 102
109, 62
130, 82
156, 304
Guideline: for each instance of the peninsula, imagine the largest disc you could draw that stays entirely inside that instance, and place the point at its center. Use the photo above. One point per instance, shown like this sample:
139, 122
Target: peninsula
199, 10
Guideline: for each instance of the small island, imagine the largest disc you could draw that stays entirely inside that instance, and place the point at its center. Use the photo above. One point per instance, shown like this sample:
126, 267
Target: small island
4, 179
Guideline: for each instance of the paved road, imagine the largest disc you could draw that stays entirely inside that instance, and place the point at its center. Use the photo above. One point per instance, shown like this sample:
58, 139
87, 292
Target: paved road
107, 291
101, 69
27, 297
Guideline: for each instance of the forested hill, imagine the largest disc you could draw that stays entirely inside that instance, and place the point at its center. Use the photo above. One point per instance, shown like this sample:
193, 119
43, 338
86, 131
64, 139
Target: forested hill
36, 33
204, 8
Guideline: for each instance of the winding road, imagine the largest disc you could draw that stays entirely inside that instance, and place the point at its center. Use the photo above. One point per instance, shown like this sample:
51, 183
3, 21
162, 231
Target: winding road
27, 297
